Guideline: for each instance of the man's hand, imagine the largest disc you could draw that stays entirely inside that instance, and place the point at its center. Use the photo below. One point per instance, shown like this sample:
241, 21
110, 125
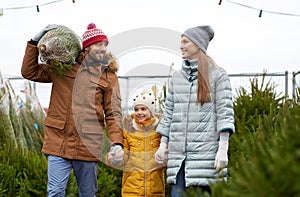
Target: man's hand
49, 27
115, 154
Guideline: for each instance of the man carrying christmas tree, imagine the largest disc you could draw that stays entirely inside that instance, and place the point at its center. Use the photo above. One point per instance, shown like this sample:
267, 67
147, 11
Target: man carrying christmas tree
85, 99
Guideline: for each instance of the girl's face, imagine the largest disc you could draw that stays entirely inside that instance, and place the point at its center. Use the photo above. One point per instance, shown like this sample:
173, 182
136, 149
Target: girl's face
142, 112
188, 49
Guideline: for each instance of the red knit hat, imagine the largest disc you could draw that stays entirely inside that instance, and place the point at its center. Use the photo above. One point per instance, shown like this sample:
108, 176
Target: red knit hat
93, 35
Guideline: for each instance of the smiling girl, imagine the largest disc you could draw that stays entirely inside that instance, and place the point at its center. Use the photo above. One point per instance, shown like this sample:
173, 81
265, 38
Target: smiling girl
142, 176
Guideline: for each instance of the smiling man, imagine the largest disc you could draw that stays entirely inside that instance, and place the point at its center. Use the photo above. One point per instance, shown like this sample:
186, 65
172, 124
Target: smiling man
84, 101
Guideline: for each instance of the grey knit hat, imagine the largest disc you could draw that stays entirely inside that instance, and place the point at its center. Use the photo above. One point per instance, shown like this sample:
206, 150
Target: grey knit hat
200, 35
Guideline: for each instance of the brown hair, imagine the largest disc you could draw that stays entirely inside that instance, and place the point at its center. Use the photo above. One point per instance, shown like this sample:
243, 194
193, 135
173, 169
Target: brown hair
203, 92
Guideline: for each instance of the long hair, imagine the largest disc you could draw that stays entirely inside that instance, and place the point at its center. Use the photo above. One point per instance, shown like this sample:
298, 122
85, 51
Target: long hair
203, 92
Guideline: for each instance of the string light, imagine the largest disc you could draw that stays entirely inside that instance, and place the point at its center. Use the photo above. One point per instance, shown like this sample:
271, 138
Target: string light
32, 6
220, 2
260, 10
260, 13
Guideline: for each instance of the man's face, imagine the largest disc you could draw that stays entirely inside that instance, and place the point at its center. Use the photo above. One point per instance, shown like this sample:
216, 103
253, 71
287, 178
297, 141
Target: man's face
96, 51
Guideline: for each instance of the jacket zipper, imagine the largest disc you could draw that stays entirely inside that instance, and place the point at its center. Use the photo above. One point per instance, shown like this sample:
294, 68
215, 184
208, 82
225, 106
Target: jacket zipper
187, 116
145, 155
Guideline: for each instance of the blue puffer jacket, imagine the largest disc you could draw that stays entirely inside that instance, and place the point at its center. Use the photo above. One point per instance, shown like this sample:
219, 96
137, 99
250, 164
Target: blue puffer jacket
193, 130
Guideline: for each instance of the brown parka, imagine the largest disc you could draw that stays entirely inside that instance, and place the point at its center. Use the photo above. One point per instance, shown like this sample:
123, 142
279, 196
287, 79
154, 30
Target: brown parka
83, 102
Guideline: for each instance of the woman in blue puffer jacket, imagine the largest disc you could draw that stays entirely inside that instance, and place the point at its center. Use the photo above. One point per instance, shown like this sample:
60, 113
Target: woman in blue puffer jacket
198, 117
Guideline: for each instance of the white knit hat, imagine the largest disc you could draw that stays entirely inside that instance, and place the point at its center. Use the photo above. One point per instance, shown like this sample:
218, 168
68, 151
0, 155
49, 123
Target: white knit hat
146, 98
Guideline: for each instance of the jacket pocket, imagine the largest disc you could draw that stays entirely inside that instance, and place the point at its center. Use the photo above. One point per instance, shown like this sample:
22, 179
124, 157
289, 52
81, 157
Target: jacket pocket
94, 140
55, 123
92, 129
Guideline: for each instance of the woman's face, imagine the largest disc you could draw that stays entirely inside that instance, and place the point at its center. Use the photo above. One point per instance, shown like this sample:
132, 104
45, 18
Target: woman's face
188, 49
142, 112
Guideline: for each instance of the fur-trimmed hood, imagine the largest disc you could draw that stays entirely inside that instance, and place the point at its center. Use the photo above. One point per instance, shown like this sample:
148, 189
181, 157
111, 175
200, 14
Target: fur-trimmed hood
113, 64
130, 125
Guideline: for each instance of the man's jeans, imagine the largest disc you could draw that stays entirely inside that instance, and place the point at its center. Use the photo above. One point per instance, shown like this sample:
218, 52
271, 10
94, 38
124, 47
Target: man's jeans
59, 170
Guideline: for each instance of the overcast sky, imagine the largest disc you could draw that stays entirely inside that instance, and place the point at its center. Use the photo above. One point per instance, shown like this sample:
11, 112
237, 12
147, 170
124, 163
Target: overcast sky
243, 41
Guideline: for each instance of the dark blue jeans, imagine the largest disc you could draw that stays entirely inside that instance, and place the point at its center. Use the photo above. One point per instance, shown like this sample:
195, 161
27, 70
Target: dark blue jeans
179, 188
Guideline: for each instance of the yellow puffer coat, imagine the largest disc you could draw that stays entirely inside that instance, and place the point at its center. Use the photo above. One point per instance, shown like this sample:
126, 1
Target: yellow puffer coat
142, 176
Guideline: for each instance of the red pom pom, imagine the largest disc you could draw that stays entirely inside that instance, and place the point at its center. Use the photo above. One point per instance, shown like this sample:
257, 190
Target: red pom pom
91, 26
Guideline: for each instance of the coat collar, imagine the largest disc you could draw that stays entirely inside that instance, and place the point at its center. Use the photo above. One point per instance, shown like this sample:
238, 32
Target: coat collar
131, 126
190, 69
151, 125
110, 64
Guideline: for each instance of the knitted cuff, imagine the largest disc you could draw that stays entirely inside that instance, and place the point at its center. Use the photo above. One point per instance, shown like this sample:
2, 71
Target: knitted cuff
164, 139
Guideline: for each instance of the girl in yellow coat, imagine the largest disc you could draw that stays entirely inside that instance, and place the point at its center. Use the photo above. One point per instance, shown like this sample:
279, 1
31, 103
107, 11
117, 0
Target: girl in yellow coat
142, 176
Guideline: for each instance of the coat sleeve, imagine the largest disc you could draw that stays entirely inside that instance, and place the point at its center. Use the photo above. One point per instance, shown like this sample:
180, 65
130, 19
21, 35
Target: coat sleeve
113, 111
31, 69
164, 126
224, 103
